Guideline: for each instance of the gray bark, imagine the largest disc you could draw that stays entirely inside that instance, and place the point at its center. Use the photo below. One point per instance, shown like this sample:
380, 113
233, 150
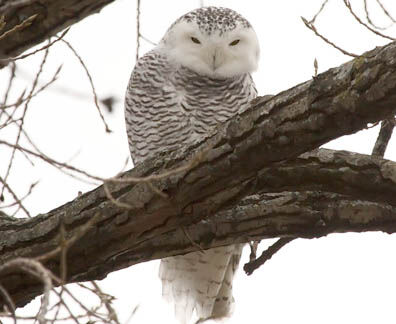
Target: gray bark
254, 155
52, 17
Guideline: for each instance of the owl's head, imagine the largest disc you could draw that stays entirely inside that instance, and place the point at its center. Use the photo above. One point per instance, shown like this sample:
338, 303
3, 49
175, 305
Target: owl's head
212, 41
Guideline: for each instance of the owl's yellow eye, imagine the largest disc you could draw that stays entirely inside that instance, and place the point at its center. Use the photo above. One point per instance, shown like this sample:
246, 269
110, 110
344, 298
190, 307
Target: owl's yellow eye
195, 40
234, 42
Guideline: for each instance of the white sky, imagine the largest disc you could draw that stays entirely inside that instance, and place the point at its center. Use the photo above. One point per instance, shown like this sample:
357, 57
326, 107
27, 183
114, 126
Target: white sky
348, 278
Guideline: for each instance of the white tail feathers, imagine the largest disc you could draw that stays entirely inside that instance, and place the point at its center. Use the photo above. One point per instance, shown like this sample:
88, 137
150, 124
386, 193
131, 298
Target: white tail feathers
200, 281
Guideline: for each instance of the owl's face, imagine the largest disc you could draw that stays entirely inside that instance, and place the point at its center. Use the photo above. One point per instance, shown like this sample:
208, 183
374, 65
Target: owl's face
211, 49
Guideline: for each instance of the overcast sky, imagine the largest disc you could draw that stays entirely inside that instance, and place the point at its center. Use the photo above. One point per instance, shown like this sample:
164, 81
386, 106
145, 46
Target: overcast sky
348, 278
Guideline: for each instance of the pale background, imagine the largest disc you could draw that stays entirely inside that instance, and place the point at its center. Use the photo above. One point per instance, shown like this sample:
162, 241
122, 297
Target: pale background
348, 278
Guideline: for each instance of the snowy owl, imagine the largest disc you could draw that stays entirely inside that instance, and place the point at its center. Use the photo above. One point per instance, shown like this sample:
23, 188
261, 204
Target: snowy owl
197, 77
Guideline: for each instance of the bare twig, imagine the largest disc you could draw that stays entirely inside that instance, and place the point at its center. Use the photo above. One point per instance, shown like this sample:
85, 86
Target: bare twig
386, 11
17, 200
113, 200
137, 29
10, 82
185, 167
106, 299
36, 269
348, 5
157, 191
315, 67
27, 22
134, 310
148, 40
253, 250
67, 243
9, 86
14, 148
90, 81
38, 50
312, 21
251, 266
191, 240
313, 28
7, 298
369, 20
23, 99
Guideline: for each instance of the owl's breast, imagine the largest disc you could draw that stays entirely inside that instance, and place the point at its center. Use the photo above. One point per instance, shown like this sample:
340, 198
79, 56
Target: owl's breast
206, 102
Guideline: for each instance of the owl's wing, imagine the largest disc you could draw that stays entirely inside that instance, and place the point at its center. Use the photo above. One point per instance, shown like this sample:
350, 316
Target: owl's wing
154, 119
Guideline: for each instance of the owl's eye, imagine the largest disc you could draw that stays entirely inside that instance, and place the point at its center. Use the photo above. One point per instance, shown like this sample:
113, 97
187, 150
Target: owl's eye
195, 40
233, 43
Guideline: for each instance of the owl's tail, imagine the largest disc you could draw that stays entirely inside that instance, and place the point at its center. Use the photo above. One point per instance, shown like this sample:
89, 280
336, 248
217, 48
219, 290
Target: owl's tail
201, 281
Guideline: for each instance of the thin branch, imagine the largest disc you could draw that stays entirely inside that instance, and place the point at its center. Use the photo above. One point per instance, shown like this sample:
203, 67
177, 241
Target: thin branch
138, 35
200, 249
19, 200
148, 40
7, 298
38, 50
35, 268
35, 81
386, 11
90, 81
190, 164
316, 66
10, 82
312, 21
369, 20
107, 302
68, 243
27, 22
348, 5
21, 98
251, 266
9, 86
313, 28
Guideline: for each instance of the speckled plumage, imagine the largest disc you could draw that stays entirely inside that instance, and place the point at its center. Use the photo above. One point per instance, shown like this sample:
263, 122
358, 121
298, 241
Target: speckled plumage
169, 105
214, 19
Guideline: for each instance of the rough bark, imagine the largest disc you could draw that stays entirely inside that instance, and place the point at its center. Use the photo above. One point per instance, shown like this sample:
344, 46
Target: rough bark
384, 136
52, 17
238, 160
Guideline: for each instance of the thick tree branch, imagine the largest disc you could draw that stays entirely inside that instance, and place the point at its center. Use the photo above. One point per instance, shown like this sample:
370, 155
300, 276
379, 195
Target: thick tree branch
238, 161
384, 137
120, 237
50, 17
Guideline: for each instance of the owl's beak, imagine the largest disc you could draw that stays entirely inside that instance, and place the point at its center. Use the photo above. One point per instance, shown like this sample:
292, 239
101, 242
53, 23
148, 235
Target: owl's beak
216, 62
214, 67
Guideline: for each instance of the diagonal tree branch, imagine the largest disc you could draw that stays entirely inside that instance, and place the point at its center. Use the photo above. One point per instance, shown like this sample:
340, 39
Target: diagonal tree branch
384, 137
238, 161
50, 17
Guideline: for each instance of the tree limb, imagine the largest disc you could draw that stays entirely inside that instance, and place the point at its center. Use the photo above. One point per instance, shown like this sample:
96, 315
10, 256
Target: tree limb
119, 238
50, 17
238, 160
384, 137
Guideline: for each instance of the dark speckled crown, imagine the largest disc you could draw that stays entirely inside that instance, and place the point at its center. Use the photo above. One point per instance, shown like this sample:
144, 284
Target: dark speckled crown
215, 19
